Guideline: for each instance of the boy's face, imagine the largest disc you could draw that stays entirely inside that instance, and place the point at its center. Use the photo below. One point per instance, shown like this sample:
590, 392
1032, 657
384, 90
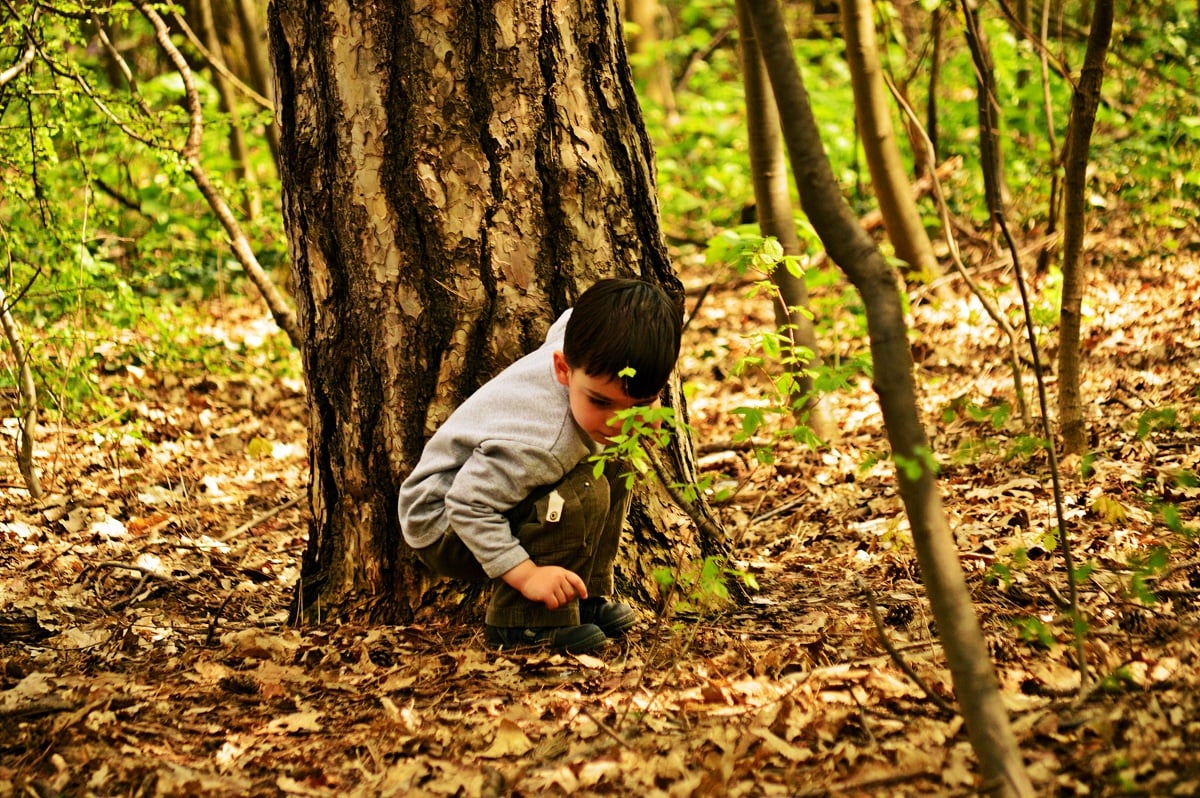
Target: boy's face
594, 400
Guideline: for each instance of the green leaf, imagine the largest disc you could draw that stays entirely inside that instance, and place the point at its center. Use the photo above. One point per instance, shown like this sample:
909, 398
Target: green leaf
1109, 508
1084, 572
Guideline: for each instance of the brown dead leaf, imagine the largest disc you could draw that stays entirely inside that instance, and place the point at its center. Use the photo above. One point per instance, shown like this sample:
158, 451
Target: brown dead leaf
29, 689
592, 773
291, 786
510, 740
956, 770
305, 721
774, 742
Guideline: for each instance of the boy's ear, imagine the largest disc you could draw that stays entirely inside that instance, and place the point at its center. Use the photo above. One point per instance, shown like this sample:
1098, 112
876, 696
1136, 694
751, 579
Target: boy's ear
562, 372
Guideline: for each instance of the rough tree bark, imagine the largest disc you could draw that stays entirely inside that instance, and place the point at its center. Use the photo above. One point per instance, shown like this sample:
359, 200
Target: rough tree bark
1084, 103
454, 175
855, 252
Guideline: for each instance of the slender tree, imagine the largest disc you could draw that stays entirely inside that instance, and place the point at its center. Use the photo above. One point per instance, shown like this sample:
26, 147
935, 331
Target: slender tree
238, 150
1084, 102
253, 40
454, 176
856, 254
776, 217
645, 40
937, 24
987, 104
873, 113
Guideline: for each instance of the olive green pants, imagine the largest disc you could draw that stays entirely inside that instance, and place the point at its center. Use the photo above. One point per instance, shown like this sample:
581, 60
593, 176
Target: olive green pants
583, 538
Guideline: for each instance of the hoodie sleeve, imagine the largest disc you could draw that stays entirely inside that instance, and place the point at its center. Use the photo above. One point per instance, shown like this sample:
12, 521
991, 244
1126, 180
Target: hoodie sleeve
497, 477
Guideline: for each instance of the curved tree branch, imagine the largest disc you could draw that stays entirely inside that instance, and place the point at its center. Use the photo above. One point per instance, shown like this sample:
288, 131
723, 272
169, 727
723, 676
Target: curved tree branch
284, 316
25, 60
27, 423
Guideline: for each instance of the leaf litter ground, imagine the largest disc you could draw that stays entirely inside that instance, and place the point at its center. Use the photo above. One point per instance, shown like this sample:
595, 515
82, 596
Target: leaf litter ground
144, 649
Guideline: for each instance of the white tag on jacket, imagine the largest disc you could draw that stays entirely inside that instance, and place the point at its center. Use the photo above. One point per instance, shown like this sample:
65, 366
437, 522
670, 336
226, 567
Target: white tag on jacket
554, 508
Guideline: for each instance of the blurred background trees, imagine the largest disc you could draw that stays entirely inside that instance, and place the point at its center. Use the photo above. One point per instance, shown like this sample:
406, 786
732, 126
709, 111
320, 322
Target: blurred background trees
140, 169
111, 245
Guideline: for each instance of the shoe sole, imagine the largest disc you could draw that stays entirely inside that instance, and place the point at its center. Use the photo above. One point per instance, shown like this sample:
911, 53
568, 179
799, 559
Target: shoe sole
593, 642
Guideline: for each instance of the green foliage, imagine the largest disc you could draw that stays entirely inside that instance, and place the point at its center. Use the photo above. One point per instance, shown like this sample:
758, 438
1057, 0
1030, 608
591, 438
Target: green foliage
1144, 146
102, 230
701, 152
1144, 567
1168, 512
915, 467
774, 354
701, 586
1156, 419
995, 416
1035, 631
1023, 447
641, 426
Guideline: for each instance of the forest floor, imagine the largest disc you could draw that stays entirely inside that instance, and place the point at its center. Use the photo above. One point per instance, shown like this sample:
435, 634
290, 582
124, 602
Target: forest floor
144, 649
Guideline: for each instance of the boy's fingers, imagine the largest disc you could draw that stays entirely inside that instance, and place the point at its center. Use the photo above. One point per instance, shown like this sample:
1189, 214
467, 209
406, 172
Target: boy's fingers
577, 584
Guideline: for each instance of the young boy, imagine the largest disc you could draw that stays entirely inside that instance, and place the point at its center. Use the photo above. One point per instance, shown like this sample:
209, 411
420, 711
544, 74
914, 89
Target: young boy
504, 490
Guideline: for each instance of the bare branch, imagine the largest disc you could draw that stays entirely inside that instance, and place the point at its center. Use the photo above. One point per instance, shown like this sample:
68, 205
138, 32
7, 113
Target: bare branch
219, 64
25, 60
27, 424
284, 316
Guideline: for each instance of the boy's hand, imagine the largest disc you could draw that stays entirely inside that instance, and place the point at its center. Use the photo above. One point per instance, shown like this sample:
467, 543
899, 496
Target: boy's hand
551, 585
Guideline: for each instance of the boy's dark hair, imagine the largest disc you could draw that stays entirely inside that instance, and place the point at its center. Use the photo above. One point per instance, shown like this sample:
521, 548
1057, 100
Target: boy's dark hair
620, 323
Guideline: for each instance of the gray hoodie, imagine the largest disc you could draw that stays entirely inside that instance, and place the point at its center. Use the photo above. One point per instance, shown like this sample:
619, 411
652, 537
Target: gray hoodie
512, 436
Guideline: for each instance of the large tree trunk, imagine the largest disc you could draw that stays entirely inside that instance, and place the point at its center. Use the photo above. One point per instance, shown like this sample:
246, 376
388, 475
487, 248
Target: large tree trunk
855, 252
454, 176
1084, 103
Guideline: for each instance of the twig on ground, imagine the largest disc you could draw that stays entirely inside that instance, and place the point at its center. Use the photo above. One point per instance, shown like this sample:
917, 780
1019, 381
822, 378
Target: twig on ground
862, 715
1174, 569
258, 519
871, 785
49, 705
602, 726
895, 655
212, 626
659, 622
779, 509
146, 574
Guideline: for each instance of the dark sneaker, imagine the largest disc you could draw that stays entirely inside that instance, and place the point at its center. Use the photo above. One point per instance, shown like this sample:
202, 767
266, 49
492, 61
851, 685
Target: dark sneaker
613, 617
571, 639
